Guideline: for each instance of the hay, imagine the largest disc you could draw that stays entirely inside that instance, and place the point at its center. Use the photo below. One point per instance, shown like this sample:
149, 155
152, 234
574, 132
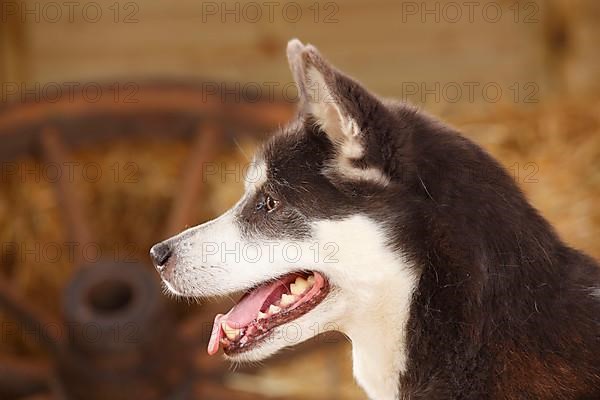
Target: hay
560, 140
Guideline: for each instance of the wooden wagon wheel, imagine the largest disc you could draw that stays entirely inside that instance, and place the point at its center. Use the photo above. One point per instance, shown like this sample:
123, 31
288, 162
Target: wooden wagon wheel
76, 364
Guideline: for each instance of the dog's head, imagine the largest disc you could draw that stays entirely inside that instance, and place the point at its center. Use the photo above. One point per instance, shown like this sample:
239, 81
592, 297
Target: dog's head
310, 240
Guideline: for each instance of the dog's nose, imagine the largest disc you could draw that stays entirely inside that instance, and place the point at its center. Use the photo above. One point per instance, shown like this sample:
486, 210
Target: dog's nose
160, 254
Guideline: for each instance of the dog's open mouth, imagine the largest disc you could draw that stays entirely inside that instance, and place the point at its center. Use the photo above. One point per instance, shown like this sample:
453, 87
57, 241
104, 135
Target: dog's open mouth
263, 308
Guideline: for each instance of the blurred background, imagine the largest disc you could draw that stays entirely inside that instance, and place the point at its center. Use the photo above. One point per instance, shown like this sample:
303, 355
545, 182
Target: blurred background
123, 122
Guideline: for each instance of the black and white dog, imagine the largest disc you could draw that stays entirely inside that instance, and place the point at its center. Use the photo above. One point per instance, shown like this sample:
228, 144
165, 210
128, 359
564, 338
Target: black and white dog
368, 217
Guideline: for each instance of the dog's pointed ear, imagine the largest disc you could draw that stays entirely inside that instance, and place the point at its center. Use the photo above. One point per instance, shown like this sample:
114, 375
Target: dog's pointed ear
337, 103
325, 93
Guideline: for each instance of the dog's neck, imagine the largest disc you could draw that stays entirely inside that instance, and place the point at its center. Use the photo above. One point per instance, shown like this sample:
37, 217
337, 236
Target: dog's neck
378, 333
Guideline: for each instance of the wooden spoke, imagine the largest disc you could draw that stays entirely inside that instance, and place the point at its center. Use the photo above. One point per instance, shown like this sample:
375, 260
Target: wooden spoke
23, 378
48, 329
207, 141
56, 152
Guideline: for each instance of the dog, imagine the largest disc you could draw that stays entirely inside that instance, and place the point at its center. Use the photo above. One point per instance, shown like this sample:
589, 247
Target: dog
369, 217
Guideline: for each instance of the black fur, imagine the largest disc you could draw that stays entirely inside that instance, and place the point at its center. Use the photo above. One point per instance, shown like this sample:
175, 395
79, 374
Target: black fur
503, 308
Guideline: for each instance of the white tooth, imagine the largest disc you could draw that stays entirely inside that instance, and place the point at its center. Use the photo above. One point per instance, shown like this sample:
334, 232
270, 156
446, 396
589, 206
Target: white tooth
273, 309
261, 315
299, 286
311, 280
231, 333
287, 299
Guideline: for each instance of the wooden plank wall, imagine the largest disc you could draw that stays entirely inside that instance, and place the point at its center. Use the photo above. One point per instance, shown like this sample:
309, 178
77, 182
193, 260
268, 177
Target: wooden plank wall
13, 47
387, 43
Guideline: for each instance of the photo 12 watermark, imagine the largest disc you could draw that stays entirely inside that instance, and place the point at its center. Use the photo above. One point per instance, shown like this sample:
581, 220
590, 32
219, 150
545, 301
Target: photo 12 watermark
253, 12
69, 92
266, 91
451, 12
291, 332
68, 171
54, 12
89, 332
268, 252
51, 252
470, 92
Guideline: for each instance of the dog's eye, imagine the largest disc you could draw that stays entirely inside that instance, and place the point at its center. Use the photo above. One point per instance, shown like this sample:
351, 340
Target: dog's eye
270, 203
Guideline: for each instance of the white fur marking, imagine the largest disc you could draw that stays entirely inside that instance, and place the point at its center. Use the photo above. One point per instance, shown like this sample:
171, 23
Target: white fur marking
345, 168
352, 149
378, 285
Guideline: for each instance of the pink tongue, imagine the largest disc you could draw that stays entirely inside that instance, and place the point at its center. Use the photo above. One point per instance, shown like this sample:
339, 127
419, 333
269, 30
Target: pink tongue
215, 336
246, 310
241, 314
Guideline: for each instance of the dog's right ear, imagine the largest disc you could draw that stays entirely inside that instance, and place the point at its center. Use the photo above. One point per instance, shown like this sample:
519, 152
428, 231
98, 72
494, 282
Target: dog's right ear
338, 104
